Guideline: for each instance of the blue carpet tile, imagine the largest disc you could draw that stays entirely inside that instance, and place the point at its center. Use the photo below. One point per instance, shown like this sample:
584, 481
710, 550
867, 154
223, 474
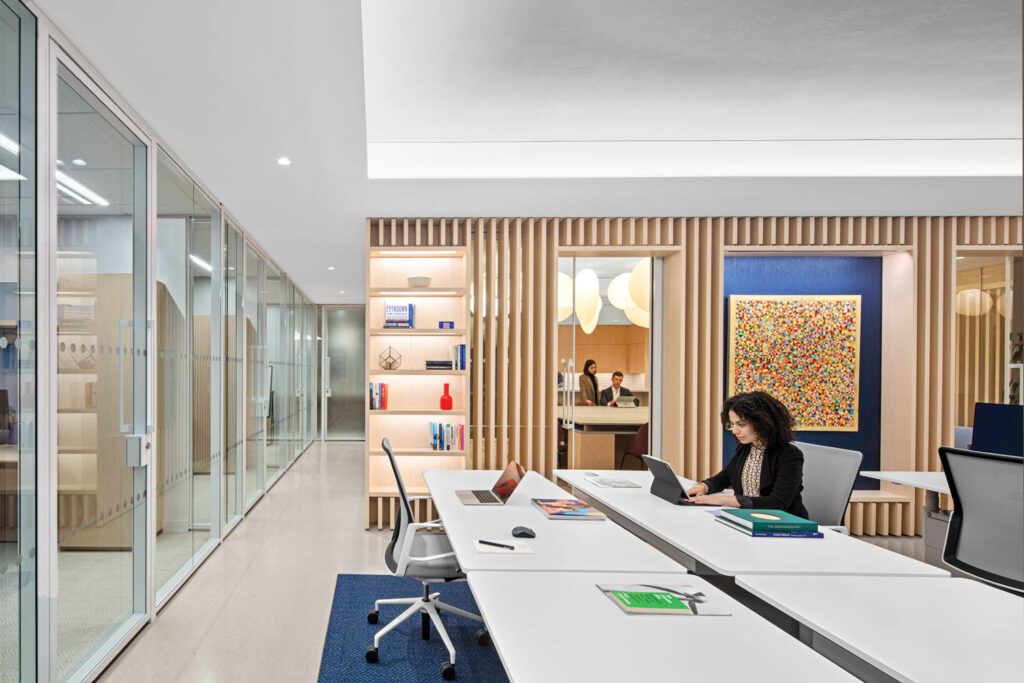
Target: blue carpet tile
404, 656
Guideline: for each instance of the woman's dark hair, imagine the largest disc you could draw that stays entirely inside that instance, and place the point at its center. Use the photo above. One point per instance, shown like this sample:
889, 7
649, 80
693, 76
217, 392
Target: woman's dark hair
587, 365
765, 413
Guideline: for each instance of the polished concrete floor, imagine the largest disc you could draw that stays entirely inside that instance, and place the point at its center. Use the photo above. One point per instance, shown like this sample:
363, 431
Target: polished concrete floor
257, 609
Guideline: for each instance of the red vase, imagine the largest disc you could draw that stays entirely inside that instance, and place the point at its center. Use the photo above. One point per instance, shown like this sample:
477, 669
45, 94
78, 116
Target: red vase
446, 399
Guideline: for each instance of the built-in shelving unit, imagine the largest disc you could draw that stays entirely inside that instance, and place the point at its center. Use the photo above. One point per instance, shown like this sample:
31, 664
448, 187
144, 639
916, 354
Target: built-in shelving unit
414, 393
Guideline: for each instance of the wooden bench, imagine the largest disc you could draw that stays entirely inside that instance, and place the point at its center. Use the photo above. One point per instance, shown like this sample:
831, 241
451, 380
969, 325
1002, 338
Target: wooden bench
881, 513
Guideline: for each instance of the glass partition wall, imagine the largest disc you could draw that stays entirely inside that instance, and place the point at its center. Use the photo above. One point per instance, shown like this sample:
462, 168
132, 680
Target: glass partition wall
101, 272
17, 344
187, 234
233, 493
255, 376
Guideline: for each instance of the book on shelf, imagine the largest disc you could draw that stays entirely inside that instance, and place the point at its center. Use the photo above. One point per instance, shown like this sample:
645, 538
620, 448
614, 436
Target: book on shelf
439, 365
768, 520
679, 599
567, 508
447, 437
768, 534
378, 396
399, 316
446, 324
458, 354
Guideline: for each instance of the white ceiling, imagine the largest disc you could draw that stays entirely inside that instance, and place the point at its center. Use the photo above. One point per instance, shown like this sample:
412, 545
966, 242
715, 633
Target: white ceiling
230, 86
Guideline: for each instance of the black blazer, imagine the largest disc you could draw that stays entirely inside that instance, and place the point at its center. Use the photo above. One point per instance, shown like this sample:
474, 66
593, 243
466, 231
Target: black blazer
782, 474
606, 395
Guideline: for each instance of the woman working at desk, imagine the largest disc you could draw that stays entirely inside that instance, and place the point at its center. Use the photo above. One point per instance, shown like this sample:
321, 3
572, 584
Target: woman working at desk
588, 384
767, 470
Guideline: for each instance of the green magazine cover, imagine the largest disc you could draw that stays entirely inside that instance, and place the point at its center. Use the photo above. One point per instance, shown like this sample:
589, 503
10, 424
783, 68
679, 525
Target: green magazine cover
668, 599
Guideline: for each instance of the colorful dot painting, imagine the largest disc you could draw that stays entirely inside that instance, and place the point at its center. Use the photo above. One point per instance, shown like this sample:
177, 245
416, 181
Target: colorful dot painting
804, 350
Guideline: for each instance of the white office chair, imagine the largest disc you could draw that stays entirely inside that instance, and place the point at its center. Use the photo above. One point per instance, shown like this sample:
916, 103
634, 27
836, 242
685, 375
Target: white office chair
422, 552
987, 523
829, 476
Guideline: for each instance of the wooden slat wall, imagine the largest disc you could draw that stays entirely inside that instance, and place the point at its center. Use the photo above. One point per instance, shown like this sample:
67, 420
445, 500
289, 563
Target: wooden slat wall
981, 345
515, 346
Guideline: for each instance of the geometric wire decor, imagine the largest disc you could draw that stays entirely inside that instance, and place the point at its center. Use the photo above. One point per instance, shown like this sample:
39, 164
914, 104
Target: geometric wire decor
804, 351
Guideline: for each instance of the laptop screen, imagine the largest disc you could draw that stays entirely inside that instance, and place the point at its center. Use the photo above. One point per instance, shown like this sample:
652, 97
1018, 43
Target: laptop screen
509, 480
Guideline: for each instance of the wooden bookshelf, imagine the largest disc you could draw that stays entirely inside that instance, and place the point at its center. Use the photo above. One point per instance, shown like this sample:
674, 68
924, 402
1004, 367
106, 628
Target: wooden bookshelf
413, 391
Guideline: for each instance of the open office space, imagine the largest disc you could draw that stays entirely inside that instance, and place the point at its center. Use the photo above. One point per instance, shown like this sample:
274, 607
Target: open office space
289, 291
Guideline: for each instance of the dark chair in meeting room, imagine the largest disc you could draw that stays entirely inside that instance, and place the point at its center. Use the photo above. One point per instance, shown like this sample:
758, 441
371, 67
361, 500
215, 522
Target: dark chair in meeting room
638, 449
423, 552
987, 522
829, 476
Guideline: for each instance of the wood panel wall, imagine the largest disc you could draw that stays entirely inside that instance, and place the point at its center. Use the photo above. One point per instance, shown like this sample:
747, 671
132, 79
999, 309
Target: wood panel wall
981, 344
514, 345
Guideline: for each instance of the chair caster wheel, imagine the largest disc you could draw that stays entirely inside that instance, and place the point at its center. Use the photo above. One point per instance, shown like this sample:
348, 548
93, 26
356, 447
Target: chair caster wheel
371, 654
373, 617
448, 671
483, 638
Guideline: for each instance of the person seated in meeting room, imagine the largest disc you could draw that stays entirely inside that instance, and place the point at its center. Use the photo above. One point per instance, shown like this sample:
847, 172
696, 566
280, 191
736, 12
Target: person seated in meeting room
609, 395
588, 384
767, 470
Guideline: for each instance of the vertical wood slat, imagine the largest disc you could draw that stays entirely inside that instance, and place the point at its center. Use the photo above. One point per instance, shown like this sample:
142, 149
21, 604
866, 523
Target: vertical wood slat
529, 341
490, 394
479, 328
515, 346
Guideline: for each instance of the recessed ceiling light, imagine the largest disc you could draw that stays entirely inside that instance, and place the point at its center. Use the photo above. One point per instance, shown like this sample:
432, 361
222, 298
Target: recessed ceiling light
341, 291
330, 267
284, 161
79, 162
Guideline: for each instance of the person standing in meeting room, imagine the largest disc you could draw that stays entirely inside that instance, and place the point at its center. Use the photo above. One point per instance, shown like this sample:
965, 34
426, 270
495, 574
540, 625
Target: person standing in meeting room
609, 395
588, 384
767, 470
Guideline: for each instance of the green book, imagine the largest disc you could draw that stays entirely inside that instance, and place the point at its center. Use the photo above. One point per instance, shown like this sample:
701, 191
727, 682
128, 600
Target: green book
649, 599
768, 520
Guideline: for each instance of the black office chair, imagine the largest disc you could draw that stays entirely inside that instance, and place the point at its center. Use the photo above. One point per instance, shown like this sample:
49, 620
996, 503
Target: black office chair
638, 449
422, 552
987, 523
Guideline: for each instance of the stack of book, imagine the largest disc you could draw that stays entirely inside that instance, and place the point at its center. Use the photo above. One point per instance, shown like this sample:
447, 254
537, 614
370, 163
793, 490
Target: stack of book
458, 356
378, 396
447, 437
399, 316
768, 523
439, 365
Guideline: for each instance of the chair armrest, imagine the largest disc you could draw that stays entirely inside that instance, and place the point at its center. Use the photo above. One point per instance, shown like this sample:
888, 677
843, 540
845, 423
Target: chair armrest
419, 526
430, 558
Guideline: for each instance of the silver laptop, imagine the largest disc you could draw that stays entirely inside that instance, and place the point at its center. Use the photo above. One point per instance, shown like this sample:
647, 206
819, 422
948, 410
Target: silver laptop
499, 493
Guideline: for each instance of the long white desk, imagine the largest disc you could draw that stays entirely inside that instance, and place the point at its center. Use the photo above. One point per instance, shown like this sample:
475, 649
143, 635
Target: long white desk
551, 626
560, 545
933, 483
691, 535
909, 629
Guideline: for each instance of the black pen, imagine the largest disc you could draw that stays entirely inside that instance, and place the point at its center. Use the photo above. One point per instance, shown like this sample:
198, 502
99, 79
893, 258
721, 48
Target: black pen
496, 545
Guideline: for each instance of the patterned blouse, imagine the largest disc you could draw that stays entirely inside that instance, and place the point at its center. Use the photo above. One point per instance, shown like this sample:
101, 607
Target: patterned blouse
751, 475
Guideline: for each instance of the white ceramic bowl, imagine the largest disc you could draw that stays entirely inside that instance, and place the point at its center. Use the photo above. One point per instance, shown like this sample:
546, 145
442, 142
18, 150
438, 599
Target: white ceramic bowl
418, 281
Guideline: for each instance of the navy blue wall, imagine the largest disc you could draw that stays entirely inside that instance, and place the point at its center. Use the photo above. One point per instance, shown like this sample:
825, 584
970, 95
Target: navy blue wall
768, 275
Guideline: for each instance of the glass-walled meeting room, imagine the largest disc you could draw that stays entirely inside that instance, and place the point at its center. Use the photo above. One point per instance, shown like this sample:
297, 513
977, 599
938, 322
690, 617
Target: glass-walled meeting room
136, 316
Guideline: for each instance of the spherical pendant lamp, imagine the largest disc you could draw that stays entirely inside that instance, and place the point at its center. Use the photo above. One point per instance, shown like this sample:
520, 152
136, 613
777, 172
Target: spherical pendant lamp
638, 317
618, 292
588, 297
564, 296
640, 285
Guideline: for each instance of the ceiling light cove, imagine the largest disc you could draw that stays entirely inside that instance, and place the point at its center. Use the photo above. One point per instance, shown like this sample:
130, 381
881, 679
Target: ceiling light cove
284, 161
201, 263
78, 191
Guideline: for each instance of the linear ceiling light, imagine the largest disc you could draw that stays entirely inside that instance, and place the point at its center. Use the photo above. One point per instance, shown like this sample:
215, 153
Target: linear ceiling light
9, 144
8, 174
201, 263
74, 185
74, 195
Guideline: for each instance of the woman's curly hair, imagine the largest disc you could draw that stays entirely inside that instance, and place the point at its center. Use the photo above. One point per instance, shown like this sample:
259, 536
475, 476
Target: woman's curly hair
770, 419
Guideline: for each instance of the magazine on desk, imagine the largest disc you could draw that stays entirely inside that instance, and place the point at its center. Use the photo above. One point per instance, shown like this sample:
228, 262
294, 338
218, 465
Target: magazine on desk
679, 599
567, 508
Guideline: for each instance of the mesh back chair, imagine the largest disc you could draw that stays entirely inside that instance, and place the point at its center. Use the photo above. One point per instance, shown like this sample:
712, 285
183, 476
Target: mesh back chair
638, 449
422, 552
829, 476
986, 528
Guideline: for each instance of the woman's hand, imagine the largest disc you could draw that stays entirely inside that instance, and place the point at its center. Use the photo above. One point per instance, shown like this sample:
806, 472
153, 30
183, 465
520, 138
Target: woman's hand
729, 501
698, 489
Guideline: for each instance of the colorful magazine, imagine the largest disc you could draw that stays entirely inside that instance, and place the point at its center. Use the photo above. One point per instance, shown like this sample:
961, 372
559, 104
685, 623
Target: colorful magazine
682, 599
567, 508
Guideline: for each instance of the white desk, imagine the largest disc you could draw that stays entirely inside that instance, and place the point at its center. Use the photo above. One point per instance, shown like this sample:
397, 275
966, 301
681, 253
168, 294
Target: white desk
913, 630
933, 483
560, 545
706, 546
559, 626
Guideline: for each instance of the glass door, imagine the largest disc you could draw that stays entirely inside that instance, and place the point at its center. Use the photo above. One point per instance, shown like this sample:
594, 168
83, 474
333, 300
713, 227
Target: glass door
102, 357
256, 344
344, 382
604, 351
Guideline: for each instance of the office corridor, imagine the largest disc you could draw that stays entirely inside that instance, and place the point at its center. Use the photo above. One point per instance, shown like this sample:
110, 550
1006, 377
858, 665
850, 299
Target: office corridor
257, 610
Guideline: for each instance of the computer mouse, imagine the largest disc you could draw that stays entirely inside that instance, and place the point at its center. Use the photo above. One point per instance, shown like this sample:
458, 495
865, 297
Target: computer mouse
523, 532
